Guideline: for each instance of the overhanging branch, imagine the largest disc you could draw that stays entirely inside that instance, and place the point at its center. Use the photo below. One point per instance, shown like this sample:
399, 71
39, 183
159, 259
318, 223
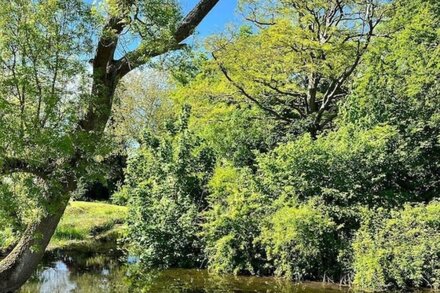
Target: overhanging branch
9, 166
193, 19
138, 57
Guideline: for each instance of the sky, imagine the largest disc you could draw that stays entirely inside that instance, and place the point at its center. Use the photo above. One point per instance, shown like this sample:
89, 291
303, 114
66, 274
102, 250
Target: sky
223, 13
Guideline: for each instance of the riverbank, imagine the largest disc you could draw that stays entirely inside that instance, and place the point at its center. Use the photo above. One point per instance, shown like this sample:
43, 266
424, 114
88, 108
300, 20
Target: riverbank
89, 227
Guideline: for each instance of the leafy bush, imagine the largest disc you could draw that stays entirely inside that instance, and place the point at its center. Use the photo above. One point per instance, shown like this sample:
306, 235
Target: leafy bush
398, 250
346, 167
163, 229
266, 221
300, 239
233, 222
166, 178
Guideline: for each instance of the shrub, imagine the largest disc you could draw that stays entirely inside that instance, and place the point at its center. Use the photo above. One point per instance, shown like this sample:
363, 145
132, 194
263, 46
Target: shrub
233, 222
398, 250
299, 240
166, 179
163, 229
346, 167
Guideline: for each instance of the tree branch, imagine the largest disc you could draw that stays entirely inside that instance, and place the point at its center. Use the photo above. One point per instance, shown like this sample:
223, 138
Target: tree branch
336, 85
13, 165
139, 57
193, 19
247, 95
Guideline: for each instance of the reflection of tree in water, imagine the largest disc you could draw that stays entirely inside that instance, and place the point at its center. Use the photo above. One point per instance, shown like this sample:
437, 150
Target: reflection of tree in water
201, 281
56, 279
100, 274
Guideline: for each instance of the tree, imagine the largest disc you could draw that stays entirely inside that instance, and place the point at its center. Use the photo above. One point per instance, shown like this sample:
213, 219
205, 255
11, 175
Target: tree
398, 85
142, 103
296, 59
52, 122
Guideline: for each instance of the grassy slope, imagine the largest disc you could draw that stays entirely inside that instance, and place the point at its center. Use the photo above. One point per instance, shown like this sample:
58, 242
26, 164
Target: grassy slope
89, 226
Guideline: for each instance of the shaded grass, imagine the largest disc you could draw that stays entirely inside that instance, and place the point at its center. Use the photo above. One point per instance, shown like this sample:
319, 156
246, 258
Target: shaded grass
87, 225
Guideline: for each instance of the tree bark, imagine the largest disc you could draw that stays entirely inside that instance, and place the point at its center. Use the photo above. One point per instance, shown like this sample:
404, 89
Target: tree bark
19, 265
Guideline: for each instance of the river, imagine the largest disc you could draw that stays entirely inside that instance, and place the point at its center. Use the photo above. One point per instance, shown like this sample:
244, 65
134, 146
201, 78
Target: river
96, 274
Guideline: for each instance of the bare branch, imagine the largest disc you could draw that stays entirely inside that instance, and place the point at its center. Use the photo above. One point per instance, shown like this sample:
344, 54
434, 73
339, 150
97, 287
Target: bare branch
193, 19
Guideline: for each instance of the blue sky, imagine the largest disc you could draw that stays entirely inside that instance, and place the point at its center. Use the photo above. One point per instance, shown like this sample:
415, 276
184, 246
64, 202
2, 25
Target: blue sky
224, 12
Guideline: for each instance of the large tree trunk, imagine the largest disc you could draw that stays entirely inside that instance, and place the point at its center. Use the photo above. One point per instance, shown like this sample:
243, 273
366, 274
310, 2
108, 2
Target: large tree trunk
19, 265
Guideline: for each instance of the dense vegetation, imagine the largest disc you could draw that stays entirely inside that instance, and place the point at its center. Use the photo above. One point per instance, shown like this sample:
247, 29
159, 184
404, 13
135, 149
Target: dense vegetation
303, 143
272, 175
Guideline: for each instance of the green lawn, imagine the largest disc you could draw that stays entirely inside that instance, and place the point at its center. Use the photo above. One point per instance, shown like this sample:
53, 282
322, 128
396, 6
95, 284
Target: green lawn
88, 226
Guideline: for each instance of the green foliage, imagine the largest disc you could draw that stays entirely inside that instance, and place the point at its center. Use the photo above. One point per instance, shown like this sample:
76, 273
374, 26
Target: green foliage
153, 21
60, 64
401, 249
298, 239
233, 222
41, 68
294, 60
249, 232
142, 102
399, 87
312, 206
43, 92
244, 129
7, 238
21, 202
263, 222
166, 178
260, 178
345, 168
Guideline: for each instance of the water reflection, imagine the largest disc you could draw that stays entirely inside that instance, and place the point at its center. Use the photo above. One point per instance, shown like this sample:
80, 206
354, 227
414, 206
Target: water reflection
96, 274
201, 281
56, 279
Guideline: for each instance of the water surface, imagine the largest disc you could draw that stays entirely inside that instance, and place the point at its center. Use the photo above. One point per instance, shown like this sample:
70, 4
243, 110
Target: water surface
64, 274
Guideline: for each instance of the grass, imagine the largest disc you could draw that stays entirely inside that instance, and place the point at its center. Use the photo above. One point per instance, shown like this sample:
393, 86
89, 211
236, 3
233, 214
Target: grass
89, 226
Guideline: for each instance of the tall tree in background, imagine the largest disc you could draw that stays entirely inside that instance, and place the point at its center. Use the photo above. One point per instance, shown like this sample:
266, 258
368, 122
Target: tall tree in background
296, 58
51, 121
142, 103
